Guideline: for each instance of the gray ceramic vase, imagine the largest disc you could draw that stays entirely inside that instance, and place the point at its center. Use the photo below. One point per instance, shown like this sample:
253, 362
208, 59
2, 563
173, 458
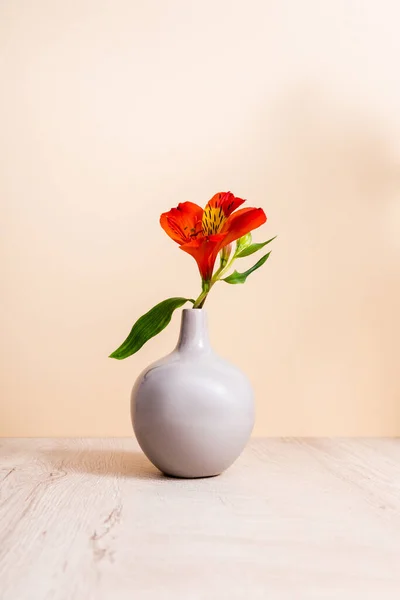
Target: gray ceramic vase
192, 411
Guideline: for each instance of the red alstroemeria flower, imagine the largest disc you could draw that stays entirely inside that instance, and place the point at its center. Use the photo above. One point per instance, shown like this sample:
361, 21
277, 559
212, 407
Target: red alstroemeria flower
203, 233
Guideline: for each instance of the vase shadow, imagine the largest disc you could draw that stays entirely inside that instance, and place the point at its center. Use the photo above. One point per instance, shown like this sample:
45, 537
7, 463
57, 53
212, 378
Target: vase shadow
117, 463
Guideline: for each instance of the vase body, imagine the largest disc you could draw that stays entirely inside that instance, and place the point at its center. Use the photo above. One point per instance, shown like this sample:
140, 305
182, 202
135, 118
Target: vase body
192, 411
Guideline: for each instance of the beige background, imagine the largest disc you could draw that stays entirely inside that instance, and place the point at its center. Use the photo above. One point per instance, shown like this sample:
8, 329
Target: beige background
113, 111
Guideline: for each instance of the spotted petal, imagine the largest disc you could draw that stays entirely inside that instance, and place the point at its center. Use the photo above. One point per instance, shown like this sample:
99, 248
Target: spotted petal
183, 222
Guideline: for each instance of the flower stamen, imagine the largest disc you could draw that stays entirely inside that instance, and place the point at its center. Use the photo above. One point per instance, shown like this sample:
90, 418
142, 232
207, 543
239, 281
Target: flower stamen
213, 220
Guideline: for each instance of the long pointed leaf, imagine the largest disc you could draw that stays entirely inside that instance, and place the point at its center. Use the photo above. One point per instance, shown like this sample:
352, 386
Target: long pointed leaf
148, 326
254, 248
236, 277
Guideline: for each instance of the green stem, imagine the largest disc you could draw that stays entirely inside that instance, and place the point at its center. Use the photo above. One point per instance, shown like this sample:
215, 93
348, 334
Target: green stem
198, 303
222, 270
217, 273
207, 285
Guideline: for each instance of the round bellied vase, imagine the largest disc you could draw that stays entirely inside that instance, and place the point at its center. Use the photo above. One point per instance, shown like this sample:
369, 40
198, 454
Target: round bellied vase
192, 411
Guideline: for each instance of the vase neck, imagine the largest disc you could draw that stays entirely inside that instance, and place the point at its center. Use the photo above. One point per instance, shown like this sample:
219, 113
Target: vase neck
193, 336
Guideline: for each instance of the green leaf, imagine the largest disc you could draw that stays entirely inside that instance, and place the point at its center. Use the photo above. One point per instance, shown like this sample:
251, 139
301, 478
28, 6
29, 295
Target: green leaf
253, 248
236, 277
148, 326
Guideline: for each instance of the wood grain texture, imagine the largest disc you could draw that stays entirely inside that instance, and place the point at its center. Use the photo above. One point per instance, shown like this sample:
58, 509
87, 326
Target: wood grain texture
292, 519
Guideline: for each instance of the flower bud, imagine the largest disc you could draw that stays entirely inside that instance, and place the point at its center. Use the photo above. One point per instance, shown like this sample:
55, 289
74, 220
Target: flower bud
225, 254
243, 242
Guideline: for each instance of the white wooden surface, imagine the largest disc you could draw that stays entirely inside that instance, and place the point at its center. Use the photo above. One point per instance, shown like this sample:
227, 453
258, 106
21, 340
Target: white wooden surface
292, 519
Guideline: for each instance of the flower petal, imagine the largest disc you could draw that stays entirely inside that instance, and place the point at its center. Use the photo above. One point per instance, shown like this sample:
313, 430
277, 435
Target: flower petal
241, 222
204, 250
182, 222
226, 200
